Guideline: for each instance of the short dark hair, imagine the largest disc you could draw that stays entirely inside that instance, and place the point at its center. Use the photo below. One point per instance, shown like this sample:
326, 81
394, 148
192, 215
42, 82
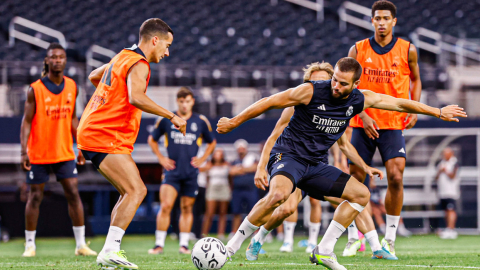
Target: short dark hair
184, 92
349, 64
52, 46
384, 5
153, 26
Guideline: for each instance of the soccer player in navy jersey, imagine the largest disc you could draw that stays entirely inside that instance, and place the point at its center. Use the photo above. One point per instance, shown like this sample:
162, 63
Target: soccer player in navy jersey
181, 167
298, 159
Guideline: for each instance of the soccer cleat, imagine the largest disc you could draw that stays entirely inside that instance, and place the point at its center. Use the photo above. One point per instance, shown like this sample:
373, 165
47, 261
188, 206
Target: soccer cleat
29, 252
156, 250
184, 250
115, 260
383, 254
362, 238
328, 261
310, 248
286, 247
389, 245
303, 243
230, 253
253, 250
353, 245
85, 250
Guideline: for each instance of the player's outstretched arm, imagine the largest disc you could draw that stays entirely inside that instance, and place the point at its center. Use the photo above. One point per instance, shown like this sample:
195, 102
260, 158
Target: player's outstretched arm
261, 175
379, 101
96, 75
301, 94
349, 150
26, 127
137, 83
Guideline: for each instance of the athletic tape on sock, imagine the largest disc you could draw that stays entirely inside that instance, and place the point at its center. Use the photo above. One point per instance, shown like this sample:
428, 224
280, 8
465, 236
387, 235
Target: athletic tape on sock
356, 206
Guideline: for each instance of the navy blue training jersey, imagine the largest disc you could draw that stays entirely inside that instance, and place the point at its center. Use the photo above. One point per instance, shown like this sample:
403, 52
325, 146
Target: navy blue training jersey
181, 148
315, 127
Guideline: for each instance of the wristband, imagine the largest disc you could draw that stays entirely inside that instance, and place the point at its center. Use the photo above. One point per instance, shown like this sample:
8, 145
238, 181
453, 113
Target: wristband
172, 117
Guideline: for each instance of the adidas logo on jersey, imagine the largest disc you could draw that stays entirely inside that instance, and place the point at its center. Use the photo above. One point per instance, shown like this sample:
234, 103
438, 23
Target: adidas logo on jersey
321, 107
394, 65
48, 99
280, 166
75, 171
369, 60
402, 150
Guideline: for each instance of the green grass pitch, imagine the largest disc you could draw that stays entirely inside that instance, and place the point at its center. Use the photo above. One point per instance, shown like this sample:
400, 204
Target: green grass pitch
418, 252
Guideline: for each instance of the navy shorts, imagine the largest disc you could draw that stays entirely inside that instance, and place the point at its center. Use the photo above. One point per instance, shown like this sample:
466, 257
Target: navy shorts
95, 157
390, 143
40, 173
185, 186
318, 180
243, 200
448, 204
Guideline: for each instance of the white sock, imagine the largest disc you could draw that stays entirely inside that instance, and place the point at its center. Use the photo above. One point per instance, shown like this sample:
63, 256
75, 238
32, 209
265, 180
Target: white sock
289, 229
352, 231
313, 230
184, 237
114, 239
392, 226
330, 238
30, 238
160, 238
372, 238
261, 236
79, 233
244, 231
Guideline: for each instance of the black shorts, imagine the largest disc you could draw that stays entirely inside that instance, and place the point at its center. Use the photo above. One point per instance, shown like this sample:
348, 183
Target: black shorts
40, 173
318, 180
95, 157
448, 204
390, 143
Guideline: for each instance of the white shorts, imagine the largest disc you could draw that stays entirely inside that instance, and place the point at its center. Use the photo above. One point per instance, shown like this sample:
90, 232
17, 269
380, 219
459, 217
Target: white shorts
218, 193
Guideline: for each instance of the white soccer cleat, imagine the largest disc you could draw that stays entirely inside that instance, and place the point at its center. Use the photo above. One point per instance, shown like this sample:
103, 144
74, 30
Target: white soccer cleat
389, 245
85, 250
29, 252
310, 248
328, 261
448, 234
286, 247
353, 245
115, 260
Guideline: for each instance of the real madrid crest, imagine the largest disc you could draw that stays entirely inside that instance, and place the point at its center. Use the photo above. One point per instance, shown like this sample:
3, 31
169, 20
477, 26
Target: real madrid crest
194, 127
349, 111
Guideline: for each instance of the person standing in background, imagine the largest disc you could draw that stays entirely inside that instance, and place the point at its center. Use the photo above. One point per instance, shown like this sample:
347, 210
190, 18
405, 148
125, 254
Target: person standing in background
244, 194
448, 191
218, 193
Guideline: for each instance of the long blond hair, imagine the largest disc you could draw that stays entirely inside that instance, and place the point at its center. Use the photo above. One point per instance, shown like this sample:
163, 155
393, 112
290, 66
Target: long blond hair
317, 66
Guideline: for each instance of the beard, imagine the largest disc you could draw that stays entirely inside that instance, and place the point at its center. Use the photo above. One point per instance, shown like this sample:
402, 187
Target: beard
340, 95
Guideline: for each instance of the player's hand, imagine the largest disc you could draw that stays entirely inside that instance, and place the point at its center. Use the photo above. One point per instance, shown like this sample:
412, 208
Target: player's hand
261, 178
373, 171
26, 166
167, 163
411, 120
370, 127
179, 123
225, 125
451, 112
80, 158
197, 162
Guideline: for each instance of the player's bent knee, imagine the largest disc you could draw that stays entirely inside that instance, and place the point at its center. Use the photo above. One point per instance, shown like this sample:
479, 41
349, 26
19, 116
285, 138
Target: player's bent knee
395, 181
284, 211
277, 198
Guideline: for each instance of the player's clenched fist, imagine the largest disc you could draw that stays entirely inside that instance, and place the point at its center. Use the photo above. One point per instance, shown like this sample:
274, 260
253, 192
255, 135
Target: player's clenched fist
179, 123
450, 112
225, 125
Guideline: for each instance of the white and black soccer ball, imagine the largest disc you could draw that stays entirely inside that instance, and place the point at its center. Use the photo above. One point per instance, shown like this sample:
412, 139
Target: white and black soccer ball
209, 253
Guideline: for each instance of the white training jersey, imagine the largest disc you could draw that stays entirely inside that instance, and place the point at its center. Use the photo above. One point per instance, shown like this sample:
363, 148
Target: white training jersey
448, 188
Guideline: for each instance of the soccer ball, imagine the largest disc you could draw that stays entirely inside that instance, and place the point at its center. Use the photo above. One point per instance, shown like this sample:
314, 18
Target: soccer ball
209, 253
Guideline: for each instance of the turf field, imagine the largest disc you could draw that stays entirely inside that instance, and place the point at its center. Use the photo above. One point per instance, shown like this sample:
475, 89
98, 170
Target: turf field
417, 252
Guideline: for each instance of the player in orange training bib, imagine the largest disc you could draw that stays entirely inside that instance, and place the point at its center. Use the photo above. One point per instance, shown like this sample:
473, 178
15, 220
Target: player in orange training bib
110, 123
389, 67
48, 127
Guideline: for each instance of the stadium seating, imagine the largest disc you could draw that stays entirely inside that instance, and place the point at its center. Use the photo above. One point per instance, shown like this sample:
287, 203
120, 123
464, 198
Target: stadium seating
225, 32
